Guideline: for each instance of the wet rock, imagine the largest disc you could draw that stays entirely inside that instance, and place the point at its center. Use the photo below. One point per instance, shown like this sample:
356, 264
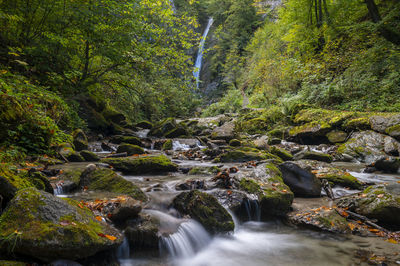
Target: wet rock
387, 164
120, 212
391, 146
143, 233
235, 143
144, 124
168, 128
179, 131
382, 123
224, 132
80, 140
303, 183
191, 185
204, 170
366, 146
41, 182
310, 133
312, 155
89, 156
7, 191
244, 154
205, 209
281, 153
381, 202
130, 149
50, 228
118, 139
337, 136
261, 143
142, 164
103, 179
107, 147
168, 145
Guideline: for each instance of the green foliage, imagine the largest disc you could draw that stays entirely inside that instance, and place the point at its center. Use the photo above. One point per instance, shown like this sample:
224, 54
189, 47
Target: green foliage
231, 102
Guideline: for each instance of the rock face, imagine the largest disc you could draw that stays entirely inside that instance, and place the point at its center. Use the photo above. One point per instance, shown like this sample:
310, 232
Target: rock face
205, 209
303, 183
142, 165
104, 179
367, 146
48, 228
143, 233
125, 210
381, 202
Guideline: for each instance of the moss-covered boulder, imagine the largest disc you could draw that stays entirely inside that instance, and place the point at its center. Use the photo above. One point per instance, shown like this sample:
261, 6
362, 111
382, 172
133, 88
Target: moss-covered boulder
387, 164
224, 132
104, 179
168, 128
80, 140
179, 131
394, 131
143, 232
361, 123
142, 164
337, 136
312, 155
130, 149
168, 145
338, 177
281, 153
40, 181
144, 124
113, 115
310, 133
118, 139
385, 122
45, 227
381, 202
244, 154
71, 155
235, 143
89, 156
205, 209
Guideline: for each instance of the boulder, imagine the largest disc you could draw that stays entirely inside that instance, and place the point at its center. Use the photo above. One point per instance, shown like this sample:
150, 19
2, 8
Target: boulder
281, 153
142, 164
179, 131
122, 211
387, 164
142, 233
337, 136
224, 132
40, 181
144, 124
89, 156
130, 149
168, 128
118, 139
383, 123
302, 182
104, 179
235, 143
310, 133
80, 140
45, 227
337, 177
381, 202
313, 155
261, 143
244, 155
167, 145
205, 209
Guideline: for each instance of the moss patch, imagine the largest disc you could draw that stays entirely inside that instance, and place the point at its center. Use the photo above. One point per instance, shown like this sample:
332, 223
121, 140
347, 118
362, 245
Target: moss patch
142, 164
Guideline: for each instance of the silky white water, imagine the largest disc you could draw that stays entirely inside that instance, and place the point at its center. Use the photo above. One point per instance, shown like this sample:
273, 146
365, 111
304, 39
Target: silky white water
199, 59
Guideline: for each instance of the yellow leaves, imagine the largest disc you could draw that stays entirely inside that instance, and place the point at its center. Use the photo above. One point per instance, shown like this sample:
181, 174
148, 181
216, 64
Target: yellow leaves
112, 238
351, 226
393, 241
99, 218
17, 232
2, 72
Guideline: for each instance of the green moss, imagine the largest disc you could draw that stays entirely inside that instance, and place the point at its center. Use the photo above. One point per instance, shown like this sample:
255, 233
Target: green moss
12, 263
126, 139
130, 149
167, 145
240, 155
313, 126
107, 180
18, 181
393, 130
144, 124
336, 136
250, 186
235, 143
142, 164
281, 153
342, 179
361, 123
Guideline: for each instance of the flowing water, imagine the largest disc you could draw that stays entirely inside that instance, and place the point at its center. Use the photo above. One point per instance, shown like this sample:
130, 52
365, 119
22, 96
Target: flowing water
199, 59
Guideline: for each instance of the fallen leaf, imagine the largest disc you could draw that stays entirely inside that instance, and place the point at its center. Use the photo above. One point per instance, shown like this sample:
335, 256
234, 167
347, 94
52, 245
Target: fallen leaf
112, 238
80, 206
99, 218
351, 226
393, 241
380, 195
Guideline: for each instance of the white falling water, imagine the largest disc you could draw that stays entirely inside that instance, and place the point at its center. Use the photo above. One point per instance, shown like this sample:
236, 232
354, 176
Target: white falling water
187, 241
123, 250
197, 66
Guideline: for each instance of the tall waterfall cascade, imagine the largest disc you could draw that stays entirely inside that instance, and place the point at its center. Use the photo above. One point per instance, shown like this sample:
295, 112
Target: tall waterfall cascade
199, 59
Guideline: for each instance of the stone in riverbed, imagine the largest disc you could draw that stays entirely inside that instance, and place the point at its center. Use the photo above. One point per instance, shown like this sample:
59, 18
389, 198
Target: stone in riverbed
205, 209
312, 155
104, 179
80, 140
144, 124
126, 209
224, 132
143, 232
130, 149
337, 136
245, 154
281, 153
302, 182
118, 139
89, 156
381, 202
142, 164
49, 228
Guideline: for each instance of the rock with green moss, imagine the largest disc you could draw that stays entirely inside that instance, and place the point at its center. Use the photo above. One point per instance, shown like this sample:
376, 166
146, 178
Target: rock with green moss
224, 132
361, 123
168, 128
394, 131
168, 145
311, 133
312, 155
142, 164
48, 228
71, 155
179, 131
254, 126
89, 156
41, 182
144, 124
143, 233
205, 209
80, 140
245, 154
104, 179
337, 177
118, 139
10, 183
235, 143
385, 122
337, 136
130, 149
367, 146
113, 115
281, 153
381, 202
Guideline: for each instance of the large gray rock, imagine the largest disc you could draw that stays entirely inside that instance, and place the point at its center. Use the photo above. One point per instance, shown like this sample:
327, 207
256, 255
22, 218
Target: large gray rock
49, 228
381, 123
302, 182
225, 132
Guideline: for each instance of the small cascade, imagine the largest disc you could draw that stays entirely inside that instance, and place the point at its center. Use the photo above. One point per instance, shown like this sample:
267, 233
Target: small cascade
253, 210
58, 191
123, 250
197, 66
189, 239
152, 145
177, 146
142, 133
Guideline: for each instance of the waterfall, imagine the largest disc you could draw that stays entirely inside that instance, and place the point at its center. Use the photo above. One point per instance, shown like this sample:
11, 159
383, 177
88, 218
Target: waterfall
190, 238
58, 191
123, 250
197, 66
253, 209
